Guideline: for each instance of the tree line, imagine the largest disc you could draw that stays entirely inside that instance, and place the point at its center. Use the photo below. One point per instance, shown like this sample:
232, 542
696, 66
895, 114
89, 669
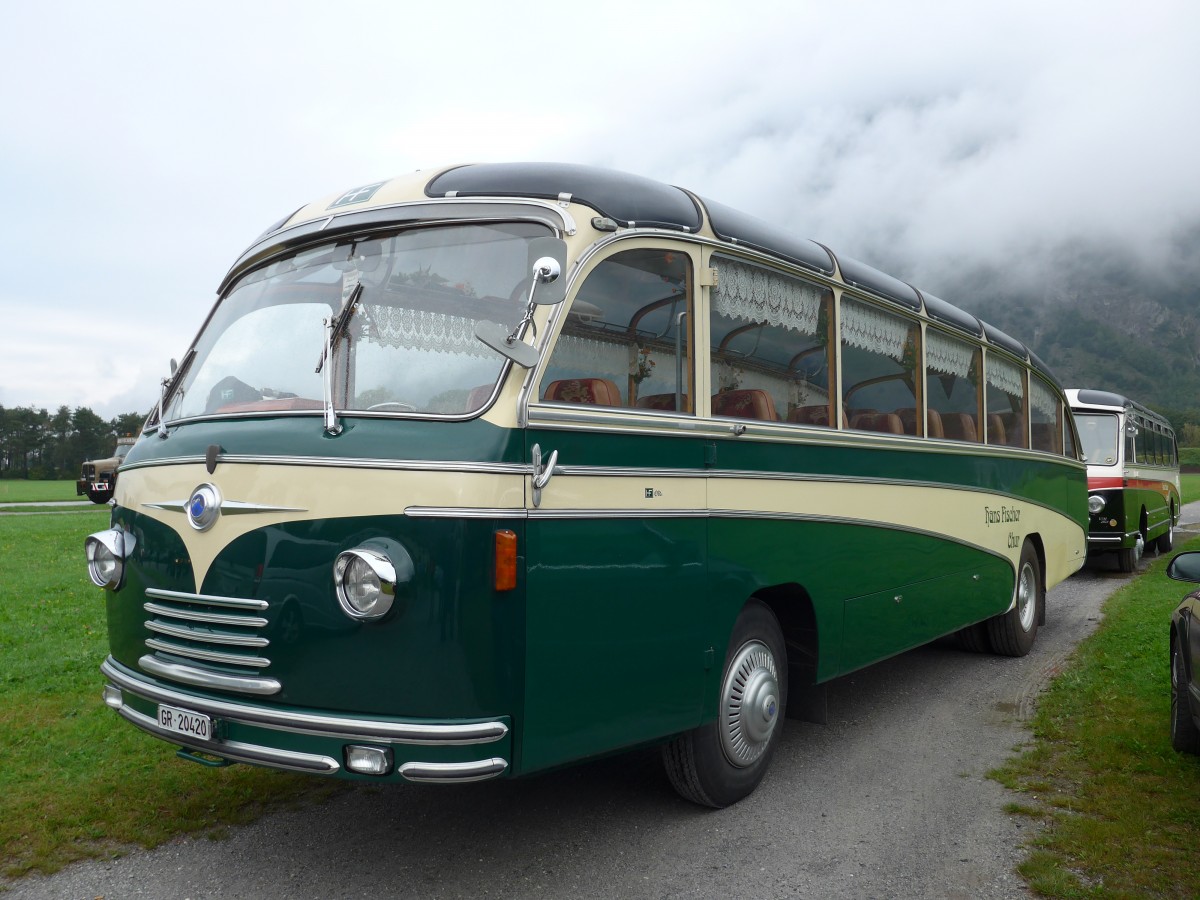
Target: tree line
37, 444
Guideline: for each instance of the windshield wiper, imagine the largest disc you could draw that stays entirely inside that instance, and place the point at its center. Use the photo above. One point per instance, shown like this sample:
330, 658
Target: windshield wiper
340, 323
334, 329
171, 383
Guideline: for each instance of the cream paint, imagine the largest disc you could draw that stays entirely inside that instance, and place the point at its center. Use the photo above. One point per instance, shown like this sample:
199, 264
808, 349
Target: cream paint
308, 492
959, 514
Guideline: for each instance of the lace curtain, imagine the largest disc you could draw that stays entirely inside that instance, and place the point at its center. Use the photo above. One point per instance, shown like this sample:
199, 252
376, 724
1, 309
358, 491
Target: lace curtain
1004, 375
871, 329
599, 359
756, 294
1042, 398
948, 356
415, 329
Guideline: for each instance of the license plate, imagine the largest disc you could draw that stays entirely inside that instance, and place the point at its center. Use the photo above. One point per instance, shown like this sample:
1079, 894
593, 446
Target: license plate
185, 722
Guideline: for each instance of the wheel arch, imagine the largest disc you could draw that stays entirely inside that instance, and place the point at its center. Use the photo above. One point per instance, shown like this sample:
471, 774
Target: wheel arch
1039, 547
793, 608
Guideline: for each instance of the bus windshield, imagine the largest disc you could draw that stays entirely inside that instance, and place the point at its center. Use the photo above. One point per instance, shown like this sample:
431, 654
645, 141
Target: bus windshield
1098, 437
408, 346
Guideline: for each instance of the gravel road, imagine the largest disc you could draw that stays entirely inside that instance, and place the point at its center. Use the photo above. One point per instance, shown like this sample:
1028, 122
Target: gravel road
890, 799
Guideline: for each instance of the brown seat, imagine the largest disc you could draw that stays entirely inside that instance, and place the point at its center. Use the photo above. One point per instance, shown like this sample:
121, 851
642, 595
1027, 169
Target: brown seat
959, 427
888, 423
751, 403
995, 429
478, 397
933, 423
592, 391
660, 401
811, 415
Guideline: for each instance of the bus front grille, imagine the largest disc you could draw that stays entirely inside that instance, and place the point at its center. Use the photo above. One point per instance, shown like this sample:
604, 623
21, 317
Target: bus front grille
208, 640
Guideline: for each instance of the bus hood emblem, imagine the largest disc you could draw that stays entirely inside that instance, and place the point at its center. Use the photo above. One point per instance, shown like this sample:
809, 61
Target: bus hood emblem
206, 505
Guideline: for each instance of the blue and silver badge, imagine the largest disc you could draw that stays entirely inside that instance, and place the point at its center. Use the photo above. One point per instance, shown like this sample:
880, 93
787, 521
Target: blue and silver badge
204, 507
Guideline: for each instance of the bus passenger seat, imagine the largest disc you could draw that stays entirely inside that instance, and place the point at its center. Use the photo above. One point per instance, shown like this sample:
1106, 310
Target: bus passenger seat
811, 415
751, 403
478, 396
664, 402
933, 428
592, 391
888, 423
995, 427
959, 427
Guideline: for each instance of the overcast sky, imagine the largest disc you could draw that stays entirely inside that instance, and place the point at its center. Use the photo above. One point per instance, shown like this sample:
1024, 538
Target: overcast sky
146, 144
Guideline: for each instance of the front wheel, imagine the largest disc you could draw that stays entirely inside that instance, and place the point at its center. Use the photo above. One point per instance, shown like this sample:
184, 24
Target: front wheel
1166, 541
1185, 737
101, 496
1013, 633
723, 761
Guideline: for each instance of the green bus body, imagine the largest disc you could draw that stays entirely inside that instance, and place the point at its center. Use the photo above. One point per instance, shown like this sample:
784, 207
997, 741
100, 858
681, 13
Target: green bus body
636, 558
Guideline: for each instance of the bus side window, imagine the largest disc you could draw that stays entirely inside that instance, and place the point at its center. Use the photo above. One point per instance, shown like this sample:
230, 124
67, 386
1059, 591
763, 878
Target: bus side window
1045, 412
770, 355
618, 345
1004, 400
879, 370
951, 386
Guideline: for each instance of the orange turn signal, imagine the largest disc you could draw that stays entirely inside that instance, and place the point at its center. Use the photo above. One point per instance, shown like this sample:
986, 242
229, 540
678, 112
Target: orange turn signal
506, 560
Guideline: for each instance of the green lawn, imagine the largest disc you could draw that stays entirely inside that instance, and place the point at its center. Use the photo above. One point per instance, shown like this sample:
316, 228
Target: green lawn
1189, 487
1120, 808
77, 781
21, 491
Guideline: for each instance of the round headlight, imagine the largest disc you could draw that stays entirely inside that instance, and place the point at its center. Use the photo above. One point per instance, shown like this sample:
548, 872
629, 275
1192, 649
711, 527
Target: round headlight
106, 557
366, 583
1095, 504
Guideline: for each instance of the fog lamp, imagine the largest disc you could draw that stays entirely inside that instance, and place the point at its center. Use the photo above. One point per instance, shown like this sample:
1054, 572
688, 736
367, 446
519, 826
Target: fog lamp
366, 583
368, 760
1095, 503
106, 551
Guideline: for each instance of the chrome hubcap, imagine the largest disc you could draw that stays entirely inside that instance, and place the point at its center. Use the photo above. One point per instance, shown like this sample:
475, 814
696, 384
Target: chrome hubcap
750, 704
1026, 597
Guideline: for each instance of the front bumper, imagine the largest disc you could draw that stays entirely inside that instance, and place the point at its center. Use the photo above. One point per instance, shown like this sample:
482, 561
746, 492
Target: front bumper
312, 742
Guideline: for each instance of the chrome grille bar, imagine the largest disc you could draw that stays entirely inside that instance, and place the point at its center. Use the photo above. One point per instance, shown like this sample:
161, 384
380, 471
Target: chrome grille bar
229, 659
209, 637
211, 618
209, 599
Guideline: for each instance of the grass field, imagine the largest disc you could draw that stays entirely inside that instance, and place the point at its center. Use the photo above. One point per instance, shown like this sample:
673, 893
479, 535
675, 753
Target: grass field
1189, 488
20, 491
77, 781
1120, 808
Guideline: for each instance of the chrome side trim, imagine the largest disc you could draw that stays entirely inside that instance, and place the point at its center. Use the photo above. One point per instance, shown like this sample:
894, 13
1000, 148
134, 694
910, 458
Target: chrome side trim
227, 507
1105, 539
403, 465
459, 512
189, 615
210, 599
236, 751
228, 659
348, 727
208, 679
453, 772
622, 513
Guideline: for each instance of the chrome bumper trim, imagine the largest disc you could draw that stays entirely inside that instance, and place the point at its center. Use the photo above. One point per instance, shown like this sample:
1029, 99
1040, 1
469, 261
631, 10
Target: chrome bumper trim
441, 773
235, 751
345, 727
206, 679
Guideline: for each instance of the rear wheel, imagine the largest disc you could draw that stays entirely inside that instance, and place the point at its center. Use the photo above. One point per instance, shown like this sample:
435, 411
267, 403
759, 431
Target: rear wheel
1013, 632
1185, 737
974, 638
1166, 540
99, 496
723, 761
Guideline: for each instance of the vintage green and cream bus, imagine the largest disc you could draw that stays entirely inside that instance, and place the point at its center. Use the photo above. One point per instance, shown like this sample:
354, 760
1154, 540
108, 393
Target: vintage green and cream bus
1133, 475
483, 471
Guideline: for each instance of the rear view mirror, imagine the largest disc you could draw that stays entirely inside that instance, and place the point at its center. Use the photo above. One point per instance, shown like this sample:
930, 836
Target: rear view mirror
1185, 567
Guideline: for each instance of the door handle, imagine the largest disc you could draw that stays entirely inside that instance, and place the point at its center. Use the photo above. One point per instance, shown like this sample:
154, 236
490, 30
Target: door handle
542, 473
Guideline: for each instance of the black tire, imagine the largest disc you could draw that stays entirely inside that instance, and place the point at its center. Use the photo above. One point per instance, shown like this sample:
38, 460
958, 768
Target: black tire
1013, 633
1127, 559
1165, 542
99, 496
723, 761
1185, 736
974, 638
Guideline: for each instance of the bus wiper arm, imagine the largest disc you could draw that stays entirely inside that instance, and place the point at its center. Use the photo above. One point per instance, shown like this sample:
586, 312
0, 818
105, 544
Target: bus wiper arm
340, 323
170, 384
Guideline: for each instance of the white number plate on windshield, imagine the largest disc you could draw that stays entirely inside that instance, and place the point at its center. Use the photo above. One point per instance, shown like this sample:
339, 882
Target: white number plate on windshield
185, 722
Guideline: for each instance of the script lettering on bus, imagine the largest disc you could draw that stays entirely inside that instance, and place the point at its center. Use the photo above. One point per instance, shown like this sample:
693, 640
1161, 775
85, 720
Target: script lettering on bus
1003, 515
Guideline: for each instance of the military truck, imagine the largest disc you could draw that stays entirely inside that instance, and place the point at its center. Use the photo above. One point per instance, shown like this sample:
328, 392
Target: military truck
98, 477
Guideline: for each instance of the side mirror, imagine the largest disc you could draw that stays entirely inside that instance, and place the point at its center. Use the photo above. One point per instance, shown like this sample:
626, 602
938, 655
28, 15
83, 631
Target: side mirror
547, 287
1185, 567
